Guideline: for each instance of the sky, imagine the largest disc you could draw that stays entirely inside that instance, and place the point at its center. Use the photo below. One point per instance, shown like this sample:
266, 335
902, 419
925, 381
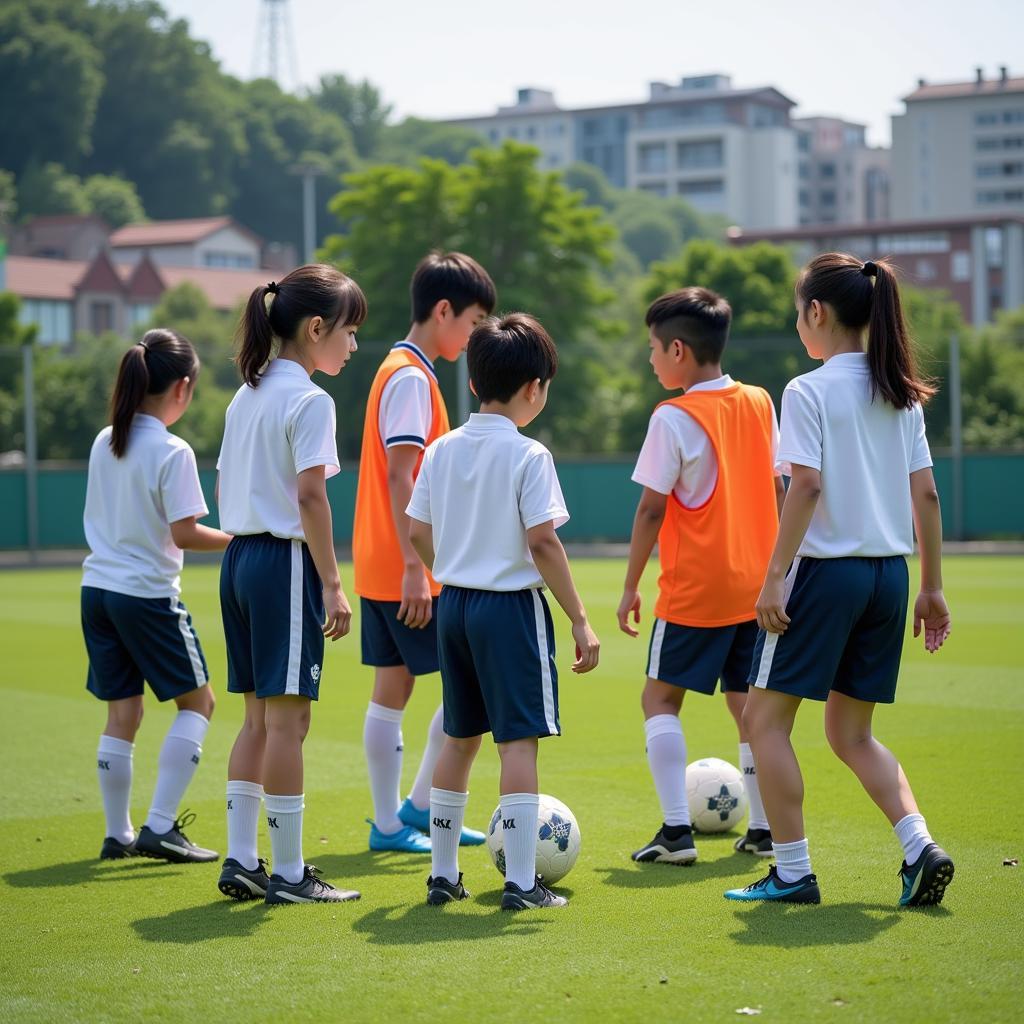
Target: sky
447, 58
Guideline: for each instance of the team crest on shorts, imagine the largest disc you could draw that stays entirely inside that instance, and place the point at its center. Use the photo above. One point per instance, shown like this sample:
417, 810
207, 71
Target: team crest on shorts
315, 672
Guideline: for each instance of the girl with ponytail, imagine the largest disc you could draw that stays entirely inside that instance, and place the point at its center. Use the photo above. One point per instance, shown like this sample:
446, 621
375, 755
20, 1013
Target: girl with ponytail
280, 590
834, 604
142, 504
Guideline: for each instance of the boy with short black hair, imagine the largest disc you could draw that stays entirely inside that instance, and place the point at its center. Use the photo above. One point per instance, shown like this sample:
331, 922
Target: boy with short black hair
405, 412
485, 510
710, 500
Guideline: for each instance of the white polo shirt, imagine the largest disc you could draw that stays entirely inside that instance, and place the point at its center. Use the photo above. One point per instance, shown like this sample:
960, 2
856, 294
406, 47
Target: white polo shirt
272, 433
129, 505
865, 451
481, 487
406, 407
677, 456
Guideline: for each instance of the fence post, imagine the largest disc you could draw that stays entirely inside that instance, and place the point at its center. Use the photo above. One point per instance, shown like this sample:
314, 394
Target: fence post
31, 453
956, 436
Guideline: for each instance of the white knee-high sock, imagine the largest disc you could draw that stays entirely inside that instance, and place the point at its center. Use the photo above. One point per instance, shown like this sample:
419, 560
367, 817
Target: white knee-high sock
114, 768
243, 821
284, 823
447, 809
519, 813
792, 860
666, 756
757, 816
179, 758
913, 834
420, 792
382, 741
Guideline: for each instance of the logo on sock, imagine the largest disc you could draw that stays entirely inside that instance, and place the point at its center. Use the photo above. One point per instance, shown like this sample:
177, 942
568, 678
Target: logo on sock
195, 759
443, 823
229, 805
508, 823
272, 823
750, 771
315, 672
105, 765
399, 749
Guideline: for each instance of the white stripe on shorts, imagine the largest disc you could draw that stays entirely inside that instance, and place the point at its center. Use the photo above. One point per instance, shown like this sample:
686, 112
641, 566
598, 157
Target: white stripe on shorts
654, 663
771, 639
545, 664
190, 641
291, 685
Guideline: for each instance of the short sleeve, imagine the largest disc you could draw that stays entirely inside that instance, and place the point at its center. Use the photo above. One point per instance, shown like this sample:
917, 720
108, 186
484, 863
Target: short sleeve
659, 463
406, 409
800, 441
419, 503
540, 496
775, 437
312, 435
920, 454
180, 490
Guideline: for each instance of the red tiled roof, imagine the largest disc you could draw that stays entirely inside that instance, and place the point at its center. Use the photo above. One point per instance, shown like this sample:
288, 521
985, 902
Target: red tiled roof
102, 276
171, 232
31, 278
956, 90
224, 288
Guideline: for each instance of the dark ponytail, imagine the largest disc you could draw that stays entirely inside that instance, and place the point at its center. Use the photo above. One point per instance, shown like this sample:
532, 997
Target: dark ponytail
866, 295
160, 359
313, 290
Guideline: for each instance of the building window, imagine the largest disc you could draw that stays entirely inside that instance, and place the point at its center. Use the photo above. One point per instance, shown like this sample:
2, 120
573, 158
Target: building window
659, 188
1012, 116
993, 247
960, 267
101, 317
986, 118
925, 241
233, 260
531, 131
828, 197
827, 169
925, 270
139, 313
652, 158
999, 197
704, 187
703, 154
52, 319
591, 127
493, 135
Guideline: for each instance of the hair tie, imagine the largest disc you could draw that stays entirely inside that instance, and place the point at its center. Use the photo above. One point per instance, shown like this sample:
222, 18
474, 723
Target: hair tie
869, 269
272, 288
142, 342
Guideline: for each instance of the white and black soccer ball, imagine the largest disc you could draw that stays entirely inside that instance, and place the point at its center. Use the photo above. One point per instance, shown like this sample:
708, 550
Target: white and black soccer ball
558, 840
715, 792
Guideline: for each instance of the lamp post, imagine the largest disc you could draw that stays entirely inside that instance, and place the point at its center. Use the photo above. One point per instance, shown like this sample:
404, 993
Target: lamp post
308, 171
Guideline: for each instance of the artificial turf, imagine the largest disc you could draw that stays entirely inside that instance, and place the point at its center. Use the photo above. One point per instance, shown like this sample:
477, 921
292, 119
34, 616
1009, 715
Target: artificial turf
145, 941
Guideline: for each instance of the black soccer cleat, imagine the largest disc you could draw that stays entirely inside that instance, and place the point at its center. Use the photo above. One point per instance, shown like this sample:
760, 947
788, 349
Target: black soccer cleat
309, 889
240, 883
663, 850
114, 849
925, 881
537, 898
173, 845
441, 891
757, 841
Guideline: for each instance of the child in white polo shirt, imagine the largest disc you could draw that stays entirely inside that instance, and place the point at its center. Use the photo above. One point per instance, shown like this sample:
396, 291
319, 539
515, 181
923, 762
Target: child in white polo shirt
834, 603
484, 513
142, 504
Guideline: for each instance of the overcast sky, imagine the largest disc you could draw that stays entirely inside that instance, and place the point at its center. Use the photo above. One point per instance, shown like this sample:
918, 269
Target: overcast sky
853, 58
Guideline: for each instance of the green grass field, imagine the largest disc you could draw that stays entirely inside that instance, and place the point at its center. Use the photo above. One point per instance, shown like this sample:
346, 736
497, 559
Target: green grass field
142, 940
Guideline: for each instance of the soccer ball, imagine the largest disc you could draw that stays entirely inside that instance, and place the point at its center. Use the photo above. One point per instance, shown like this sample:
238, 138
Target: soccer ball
558, 840
717, 797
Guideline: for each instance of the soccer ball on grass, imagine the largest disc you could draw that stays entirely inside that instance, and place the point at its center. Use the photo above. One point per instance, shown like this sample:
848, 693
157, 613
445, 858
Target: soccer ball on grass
715, 792
558, 840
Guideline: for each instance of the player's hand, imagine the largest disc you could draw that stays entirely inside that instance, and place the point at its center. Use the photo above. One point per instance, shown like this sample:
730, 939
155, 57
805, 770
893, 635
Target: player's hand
338, 613
588, 647
417, 607
932, 612
771, 607
630, 603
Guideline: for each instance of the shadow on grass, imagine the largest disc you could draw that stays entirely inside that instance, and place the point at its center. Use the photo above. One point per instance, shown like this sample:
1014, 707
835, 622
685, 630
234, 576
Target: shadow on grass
664, 876
830, 924
413, 926
363, 864
221, 919
82, 872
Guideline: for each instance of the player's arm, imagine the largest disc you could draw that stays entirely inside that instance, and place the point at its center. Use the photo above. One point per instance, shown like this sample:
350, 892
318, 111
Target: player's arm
650, 514
318, 528
416, 607
189, 535
930, 608
780, 495
421, 536
797, 510
553, 565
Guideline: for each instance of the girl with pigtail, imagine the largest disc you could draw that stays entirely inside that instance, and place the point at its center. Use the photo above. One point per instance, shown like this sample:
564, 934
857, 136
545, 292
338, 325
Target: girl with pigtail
142, 506
280, 591
834, 604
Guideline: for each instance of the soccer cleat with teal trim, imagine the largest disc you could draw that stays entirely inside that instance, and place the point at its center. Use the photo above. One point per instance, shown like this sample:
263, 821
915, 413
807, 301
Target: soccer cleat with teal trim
924, 882
405, 840
415, 817
772, 888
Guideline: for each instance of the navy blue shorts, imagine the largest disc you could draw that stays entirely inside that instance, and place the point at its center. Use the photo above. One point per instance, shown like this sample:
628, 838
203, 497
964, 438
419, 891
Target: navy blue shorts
273, 608
388, 642
131, 639
847, 621
497, 652
697, 657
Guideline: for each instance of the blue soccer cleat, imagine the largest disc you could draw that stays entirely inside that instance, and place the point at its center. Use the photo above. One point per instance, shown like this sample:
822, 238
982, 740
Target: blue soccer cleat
771, 887
405, 840
409, 814
925, 881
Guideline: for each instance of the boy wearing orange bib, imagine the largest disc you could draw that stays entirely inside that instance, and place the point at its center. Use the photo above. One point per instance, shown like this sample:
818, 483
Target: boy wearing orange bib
405, 412
710, 500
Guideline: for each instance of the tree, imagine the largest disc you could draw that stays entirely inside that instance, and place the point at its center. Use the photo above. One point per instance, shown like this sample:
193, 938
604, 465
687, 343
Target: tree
113, 199
412, 140
359, 105
50, 189
8, 198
